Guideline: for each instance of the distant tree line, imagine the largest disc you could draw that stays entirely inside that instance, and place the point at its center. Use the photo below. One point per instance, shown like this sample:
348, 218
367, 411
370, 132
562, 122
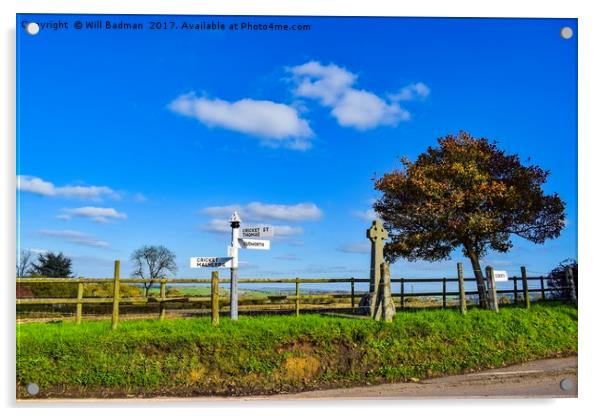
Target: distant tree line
150, 263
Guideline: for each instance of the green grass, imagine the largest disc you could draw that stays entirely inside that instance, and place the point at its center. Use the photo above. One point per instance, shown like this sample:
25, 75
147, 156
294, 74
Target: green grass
281, 353
206, 291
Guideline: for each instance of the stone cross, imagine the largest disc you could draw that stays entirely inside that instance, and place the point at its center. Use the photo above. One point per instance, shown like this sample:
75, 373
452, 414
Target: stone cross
380, 301
377, 235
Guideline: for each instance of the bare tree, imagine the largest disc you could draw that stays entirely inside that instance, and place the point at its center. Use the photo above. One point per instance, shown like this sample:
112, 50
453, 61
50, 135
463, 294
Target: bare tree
24, 262
153, 262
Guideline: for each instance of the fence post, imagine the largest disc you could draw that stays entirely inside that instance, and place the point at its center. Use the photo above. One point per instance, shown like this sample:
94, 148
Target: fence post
568, 274
461, 289
215, 298
492, 292
543, 292
402, 293
115, 317
444, 292
162, 304
78, 310
514, 279
297, 296
353, 294
526, 297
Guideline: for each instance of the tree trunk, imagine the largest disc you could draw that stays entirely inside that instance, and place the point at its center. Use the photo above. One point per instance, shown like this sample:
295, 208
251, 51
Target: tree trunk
146, 288
478, 274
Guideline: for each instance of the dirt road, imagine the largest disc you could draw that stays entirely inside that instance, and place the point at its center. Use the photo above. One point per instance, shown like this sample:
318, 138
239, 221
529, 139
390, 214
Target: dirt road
535, 379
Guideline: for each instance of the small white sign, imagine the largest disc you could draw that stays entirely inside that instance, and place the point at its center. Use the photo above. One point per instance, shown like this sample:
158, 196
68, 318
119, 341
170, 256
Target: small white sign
254, 244
500, 275
260, 231
196, 262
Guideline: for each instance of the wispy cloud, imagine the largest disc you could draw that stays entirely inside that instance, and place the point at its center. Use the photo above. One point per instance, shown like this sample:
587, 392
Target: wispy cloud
286, 230
138, 197
222, 226
96, 214
417, 91
39, 186
333, 87
288, 257
355, 248
368, 215
332, 270
37, 250
258, 211
75, 237
217, 225
275, 124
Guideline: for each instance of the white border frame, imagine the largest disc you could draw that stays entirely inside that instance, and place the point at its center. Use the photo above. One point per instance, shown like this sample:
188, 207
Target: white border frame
590, 134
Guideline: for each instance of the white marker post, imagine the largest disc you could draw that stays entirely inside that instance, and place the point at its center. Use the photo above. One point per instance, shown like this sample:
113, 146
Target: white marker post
233, 252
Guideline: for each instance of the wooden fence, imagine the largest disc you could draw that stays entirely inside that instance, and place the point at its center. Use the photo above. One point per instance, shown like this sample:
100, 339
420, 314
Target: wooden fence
521, 292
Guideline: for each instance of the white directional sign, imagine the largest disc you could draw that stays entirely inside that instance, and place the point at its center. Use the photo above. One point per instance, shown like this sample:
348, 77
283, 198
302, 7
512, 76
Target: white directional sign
500, 275
210, 262
260, 231
254, 244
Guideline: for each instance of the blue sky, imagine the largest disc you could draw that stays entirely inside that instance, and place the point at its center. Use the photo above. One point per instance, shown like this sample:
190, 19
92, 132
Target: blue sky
141, 137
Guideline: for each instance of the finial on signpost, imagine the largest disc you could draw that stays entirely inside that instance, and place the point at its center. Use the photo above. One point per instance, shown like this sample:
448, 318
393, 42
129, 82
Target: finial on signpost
235, 220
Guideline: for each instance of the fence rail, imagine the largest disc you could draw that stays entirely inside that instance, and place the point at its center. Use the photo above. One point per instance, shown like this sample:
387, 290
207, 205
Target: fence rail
520, 290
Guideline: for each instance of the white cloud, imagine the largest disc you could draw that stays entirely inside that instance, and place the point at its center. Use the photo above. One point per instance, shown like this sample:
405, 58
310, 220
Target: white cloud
97, 214
298, 212
39, 186
258, 211
364, 110
222, 226
323, 82
275, 124
38, 250
363, 247
286, 230
368, 215
412, 92
217, 226
333, 87
75, 237
288, 257
221, 211
138, 197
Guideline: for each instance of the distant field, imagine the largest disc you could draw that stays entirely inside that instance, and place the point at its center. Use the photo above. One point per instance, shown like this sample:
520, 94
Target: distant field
242, 293
258, 355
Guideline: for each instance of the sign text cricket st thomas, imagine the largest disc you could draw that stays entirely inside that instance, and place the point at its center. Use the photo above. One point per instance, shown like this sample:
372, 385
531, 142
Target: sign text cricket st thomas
241, 238
260, 231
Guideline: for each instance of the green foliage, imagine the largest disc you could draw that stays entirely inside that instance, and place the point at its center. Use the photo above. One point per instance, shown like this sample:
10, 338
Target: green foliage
105, 290
557, 279
69, 290
282, 353
465, 193
52, 265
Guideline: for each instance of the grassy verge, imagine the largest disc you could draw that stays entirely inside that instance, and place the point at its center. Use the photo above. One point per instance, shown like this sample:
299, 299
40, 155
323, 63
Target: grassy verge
281, 353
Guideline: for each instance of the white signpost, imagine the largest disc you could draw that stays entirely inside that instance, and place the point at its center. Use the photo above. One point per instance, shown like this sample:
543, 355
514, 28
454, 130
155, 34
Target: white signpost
233, 251
500, 275
259, 231
241, 238
222, 262
254, 244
